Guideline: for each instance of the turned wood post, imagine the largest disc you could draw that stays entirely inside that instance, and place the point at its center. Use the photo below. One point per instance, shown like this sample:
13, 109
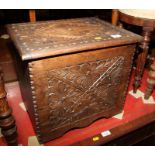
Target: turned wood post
142, 57
115, 16
32, 15
150, 81
7, 122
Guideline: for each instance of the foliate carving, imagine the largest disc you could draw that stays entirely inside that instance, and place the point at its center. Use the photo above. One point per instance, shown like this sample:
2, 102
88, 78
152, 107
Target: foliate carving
80, 91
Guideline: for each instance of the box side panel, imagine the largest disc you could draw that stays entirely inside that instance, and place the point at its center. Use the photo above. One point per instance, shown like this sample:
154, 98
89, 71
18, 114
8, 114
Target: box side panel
72, 91
22, 69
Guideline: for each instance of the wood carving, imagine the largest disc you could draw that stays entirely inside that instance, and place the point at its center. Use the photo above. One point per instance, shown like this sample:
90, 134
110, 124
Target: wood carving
87, 85
7, 122
72, 72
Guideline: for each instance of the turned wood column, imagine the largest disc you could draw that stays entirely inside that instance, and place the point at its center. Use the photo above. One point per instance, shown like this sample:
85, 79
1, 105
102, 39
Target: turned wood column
115, 17
142, 57
32, 15
7, 122
150, 81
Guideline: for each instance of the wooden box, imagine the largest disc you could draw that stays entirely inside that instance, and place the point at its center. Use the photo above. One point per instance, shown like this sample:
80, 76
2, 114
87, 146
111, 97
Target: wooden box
72, 72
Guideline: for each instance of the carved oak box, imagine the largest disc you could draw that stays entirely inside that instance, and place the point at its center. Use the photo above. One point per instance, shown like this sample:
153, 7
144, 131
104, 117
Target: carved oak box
72, 72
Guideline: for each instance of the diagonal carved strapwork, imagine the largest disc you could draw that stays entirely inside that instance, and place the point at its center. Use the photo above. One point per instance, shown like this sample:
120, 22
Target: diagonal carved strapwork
87, 85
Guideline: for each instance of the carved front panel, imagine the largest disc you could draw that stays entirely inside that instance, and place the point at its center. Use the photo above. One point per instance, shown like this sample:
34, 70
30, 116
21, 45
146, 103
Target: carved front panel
72, 91
80, 91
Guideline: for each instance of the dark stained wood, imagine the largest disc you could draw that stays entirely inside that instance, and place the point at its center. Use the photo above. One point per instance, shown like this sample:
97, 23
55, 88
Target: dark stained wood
144, 22
142, 57
119, 131
72, 72
143, 136
7, 122
148, 26
51, 38
6, 60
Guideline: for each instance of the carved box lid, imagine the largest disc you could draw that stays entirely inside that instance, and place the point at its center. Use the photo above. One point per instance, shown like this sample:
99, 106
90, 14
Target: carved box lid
51, 38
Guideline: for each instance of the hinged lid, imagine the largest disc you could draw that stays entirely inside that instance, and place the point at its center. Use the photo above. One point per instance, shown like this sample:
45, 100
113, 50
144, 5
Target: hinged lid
50, 38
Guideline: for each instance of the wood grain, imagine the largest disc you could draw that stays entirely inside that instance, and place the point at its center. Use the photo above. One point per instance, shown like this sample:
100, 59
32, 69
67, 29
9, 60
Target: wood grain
81, 77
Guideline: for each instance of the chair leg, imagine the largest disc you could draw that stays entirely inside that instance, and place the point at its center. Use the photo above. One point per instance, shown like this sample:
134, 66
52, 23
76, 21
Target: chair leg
114, 19
150, 81
32, 15
142, 57
7, 122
